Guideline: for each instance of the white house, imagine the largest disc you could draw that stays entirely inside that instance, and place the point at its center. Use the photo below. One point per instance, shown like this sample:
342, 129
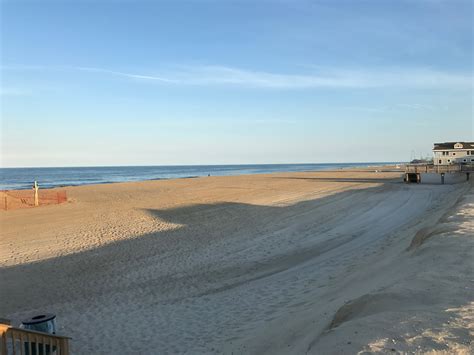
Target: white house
453, 153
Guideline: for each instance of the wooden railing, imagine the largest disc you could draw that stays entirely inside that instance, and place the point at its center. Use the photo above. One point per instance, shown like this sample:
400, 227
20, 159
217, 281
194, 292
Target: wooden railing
28, 342
439, 169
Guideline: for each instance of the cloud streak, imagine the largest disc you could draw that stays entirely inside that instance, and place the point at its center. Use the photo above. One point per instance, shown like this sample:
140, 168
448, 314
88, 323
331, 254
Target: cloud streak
13, 92
326, 78
329, 78
396, 107
127, 75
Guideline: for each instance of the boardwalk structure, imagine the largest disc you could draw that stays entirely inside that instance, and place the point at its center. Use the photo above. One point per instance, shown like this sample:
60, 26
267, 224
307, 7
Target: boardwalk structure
453, 162
438, 174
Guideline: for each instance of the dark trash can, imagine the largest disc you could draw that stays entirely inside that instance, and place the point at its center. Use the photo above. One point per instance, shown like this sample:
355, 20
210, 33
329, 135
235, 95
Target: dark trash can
45, 323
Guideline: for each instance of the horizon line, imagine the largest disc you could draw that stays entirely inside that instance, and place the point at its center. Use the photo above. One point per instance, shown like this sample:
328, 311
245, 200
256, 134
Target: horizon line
183, 165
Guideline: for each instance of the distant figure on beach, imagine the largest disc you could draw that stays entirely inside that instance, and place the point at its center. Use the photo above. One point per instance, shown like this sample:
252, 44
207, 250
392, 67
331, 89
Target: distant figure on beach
208, 174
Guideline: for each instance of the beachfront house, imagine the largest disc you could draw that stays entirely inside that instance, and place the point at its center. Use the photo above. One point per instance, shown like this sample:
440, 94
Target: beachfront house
453, 153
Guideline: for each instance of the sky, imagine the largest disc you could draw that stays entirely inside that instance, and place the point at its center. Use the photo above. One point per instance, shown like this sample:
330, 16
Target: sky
99, 83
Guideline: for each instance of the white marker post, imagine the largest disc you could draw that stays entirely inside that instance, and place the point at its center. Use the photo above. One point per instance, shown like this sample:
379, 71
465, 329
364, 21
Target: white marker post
35, 187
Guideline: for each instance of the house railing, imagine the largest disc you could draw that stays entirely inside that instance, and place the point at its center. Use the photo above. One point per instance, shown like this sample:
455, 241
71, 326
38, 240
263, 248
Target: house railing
439, 169
28, 342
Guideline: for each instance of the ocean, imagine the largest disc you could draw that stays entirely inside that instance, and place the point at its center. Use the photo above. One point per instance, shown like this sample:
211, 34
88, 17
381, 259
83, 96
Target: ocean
23, 178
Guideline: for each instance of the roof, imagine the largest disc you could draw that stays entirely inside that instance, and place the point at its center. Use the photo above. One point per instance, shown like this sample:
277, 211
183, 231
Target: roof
453, 145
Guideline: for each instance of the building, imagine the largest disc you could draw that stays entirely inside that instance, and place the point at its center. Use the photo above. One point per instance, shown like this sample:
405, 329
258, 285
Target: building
453, 162
453, 153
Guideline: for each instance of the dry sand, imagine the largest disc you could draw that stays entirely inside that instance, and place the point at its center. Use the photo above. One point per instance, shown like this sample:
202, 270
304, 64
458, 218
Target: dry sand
323, 262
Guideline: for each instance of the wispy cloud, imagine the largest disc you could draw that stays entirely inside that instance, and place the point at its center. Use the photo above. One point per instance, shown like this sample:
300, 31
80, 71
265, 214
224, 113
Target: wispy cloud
127, 75
366, 109
396, 107
324, 78
321, 78
13, 92
416, 106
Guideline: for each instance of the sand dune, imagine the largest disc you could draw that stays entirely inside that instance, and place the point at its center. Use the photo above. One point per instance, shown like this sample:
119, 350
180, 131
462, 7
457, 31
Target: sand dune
326, 262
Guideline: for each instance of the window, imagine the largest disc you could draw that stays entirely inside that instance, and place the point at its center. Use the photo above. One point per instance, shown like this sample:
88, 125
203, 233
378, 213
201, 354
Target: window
454, 153
440, 161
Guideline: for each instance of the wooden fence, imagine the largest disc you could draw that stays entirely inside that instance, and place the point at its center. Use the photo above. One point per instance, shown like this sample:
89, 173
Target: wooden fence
15, 199
439, 169
28, 342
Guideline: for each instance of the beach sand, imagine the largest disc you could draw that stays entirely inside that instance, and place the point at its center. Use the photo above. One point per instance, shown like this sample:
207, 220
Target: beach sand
319, 262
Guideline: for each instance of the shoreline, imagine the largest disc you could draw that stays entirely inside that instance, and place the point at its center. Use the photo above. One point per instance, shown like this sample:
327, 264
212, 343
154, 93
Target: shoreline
323, 167
105, 183
190, 165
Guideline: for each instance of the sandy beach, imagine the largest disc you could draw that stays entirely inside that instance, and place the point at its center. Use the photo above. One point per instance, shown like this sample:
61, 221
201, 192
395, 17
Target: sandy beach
336, 262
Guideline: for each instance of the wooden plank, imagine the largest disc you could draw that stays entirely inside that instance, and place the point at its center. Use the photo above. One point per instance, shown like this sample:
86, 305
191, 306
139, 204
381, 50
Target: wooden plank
65, 346
14, 340
50, 341
29, 343
22, 344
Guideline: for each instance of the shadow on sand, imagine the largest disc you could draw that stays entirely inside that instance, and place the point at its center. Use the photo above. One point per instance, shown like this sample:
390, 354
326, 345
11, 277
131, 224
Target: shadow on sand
107, 268
164, 261
351, 180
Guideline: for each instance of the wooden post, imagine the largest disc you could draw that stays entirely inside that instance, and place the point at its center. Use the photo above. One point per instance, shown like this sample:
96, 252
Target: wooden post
65, 346
6, 202
35, 187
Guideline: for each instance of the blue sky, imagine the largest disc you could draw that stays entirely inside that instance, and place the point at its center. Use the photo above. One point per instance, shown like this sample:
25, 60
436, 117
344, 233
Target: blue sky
215, 82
